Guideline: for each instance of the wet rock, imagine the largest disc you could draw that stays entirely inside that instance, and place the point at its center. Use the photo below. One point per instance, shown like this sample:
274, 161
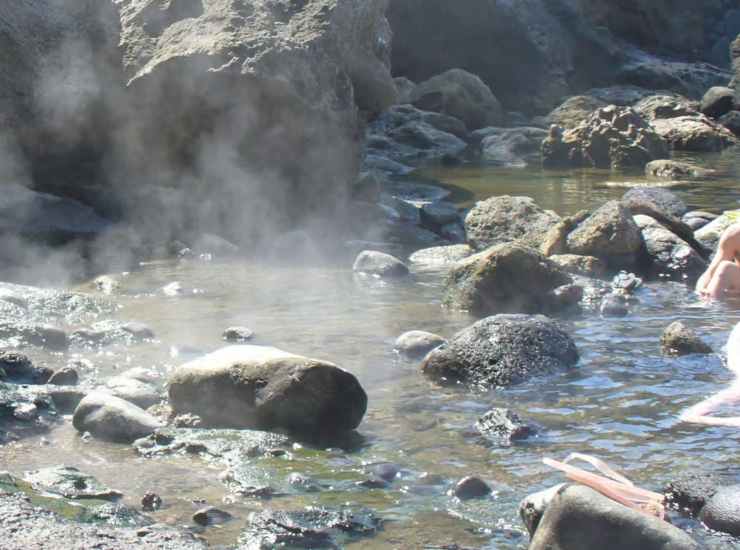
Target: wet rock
587, 266
614, 306
574, 111
266, 388
460, 94
690, 491
694, 133
504, 219
664, 106
142, 393
386, 471
679, 339
513, 147
32, 334
506, 278
19, 368
731, 121
669, 255
211, 516
454, 232
66, 376
238, 334
26, 412
151, 502
404, 87
710, 234
722, 510
66, 398
501, 351
718, 101
380, 264
108, 417
107, 284
373, 484
440, 256
106, 333
555, 240
602, 523
504, 426
533, 507
625, 284
309, 528
214, 246
609, 233
303, 483
471, 487
436, 214
696, 219
675, 170
69, 482
659, 199
139, 331
612, 137
417, 343
622, 95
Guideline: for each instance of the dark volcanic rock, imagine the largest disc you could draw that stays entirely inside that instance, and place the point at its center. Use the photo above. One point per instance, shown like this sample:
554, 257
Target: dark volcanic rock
602, 523
211, 516
506, 278
731, 121
505, 219
690, 491
501, 351
66, 376
612, 137
266, 388
504, 426
679, 339
722, 510
20, 369
471, 487
237, 334
574, 111
309, 528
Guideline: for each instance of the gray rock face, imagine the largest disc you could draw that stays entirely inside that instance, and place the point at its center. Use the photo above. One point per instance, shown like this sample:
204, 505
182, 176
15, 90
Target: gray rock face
679, 339
574, 111
658, 198
611, 234
417, 343
501, 351
694, 133
134, 388
381, 264
611, 137
266, 388
503, 427
505, 219
506, 278
108, 417
718, 101
579, 518
440, 256
731, 121
462, 95
670, 256
513, 147
675, 170
586, 266
722, 510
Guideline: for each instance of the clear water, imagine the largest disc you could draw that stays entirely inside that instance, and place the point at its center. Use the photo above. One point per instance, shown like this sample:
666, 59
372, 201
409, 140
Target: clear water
620, 404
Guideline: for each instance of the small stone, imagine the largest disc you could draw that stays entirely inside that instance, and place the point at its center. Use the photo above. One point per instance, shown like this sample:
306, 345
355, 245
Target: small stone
504, 425
417, 343
237, 334
614, 306
66, 376
151, 502
139, 331
26, 412
679, 339
211, 516
471, 487
379, 264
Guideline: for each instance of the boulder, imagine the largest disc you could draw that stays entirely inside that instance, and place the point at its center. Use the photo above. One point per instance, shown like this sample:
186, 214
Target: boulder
679, 339
555, 240
439, 214
611, 137
731, 121
108, 417
609, 233
586, 266
710, 234
380, 264
506, 278
505, 219
718, 101
694, 133
669, 255
675, 170
417, 343
266, 388
722, 510
66, 376
579, 518
503, 427
460, 94
659, 199
513, 147
237, 335
18, 368
690, 490
132, 388
69, 482
501, 351
696, 219
574, 111
471, 487
440, 256
34, 334
532, 507
661, 106
622, 95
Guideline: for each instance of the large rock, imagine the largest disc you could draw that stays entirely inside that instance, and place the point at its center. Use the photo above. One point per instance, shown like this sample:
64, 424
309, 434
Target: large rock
722, 510
574, 111
108, 417
694, 133
611, 137
505, 219
654, 107
659, 199
579, 518
679, 339
675, 170
266, 388
506, 278
609, 233
513, 147
462, 95
501, 351
718, 101
669, 255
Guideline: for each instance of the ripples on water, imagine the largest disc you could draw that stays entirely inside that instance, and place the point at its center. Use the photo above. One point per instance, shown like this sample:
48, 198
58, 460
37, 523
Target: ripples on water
621, 403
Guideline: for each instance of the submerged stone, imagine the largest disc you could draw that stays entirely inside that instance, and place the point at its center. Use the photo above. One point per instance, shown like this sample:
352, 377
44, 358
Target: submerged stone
504, 426
417, 343
112, 418
71, 483
471, 487
679, 339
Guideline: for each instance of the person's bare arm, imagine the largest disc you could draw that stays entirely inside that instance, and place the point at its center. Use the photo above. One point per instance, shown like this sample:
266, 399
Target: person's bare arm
729, 246
701, 412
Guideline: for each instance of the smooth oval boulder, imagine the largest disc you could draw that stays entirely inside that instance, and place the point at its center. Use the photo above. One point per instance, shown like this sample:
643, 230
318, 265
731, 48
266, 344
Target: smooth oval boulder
513, 147
266, 388
579, 518
609, 233
108, 417
722, 510
694, 133
381, 264
662, 200
501, 351
718, 101
506, 278
505, 219
440, 256
586, 266
417, 343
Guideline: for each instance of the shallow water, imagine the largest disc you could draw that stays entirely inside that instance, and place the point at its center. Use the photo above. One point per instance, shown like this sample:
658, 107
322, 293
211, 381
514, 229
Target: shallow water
620, 404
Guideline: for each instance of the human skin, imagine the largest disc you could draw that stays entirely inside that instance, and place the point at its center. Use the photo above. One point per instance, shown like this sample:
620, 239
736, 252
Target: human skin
723, 275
